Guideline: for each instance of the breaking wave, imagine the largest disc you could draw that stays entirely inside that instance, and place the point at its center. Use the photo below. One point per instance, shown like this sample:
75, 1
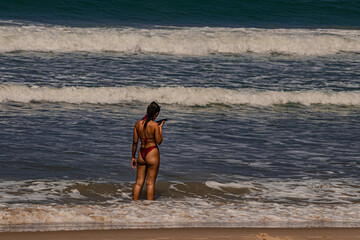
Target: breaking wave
187, 96
179, 41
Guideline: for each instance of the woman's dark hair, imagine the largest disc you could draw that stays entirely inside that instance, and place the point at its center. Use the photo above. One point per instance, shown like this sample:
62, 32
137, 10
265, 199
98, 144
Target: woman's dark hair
152, 109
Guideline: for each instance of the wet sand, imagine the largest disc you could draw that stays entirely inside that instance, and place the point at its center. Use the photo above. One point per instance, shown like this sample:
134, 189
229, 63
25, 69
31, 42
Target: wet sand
194, 234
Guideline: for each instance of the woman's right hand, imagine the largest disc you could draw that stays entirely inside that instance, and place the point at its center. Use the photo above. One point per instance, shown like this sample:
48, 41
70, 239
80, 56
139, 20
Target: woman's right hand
162, 124
133, 163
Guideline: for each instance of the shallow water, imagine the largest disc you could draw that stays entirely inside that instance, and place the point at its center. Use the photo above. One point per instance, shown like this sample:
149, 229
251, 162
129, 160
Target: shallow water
263, 121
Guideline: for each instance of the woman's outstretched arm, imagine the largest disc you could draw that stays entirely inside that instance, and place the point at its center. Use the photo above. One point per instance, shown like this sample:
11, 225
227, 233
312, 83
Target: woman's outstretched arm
134, 147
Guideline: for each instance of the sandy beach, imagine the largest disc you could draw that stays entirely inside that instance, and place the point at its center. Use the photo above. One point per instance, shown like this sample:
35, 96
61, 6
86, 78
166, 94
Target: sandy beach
195, 234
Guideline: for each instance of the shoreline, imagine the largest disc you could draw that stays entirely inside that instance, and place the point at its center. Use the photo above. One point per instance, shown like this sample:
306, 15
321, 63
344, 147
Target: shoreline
193, 234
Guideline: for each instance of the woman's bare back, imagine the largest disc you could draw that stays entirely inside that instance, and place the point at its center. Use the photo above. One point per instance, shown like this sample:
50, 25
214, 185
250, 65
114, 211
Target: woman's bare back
147, 135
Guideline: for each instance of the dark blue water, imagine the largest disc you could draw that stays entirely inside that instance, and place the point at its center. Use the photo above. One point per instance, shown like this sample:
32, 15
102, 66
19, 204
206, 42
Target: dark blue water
231, 13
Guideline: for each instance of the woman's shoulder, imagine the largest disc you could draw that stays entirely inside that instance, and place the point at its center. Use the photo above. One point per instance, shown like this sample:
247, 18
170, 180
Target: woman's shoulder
138, 123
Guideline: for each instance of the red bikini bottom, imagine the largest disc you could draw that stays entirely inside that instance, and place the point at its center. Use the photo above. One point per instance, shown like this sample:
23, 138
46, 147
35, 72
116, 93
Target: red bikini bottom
145, 151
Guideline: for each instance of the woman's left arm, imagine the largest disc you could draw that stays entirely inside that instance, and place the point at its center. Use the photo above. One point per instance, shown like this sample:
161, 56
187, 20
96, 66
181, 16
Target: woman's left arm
134, 147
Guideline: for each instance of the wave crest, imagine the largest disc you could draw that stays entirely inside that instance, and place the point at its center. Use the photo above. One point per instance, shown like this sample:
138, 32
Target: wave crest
179, 41
188, 96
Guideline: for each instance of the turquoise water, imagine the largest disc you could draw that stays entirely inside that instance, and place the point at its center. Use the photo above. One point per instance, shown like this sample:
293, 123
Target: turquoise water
262, 99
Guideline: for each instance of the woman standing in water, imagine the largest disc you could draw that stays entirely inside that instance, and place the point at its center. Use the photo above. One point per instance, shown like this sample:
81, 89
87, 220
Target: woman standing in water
148, 162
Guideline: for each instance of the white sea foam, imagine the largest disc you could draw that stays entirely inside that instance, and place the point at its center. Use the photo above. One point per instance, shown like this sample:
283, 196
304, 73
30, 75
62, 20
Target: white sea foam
176, 213
13, 191
308, 203
235, 185
183, 41
188, 96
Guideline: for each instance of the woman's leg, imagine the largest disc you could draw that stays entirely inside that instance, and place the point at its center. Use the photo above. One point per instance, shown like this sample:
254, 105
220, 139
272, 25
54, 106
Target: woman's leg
153, 163
140, 178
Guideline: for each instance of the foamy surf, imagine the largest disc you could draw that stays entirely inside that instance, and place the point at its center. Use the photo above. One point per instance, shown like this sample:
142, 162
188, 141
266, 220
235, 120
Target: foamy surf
179, 41
187, 96
36, 205
195, 212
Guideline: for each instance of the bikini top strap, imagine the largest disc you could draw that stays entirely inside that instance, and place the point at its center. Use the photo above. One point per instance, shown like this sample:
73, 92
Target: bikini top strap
144, 118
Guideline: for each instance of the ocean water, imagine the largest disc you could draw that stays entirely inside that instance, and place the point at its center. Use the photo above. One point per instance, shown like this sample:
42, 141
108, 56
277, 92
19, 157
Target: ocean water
262, 97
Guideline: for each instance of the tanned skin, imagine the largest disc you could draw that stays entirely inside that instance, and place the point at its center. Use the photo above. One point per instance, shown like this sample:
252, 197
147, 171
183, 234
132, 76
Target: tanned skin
146, 169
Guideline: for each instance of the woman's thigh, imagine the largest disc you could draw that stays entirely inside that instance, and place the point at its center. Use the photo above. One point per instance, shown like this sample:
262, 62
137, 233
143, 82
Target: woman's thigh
153, 163
141, 170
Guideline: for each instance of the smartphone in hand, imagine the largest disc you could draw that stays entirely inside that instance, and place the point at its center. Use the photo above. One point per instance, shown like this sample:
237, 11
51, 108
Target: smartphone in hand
162, 120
